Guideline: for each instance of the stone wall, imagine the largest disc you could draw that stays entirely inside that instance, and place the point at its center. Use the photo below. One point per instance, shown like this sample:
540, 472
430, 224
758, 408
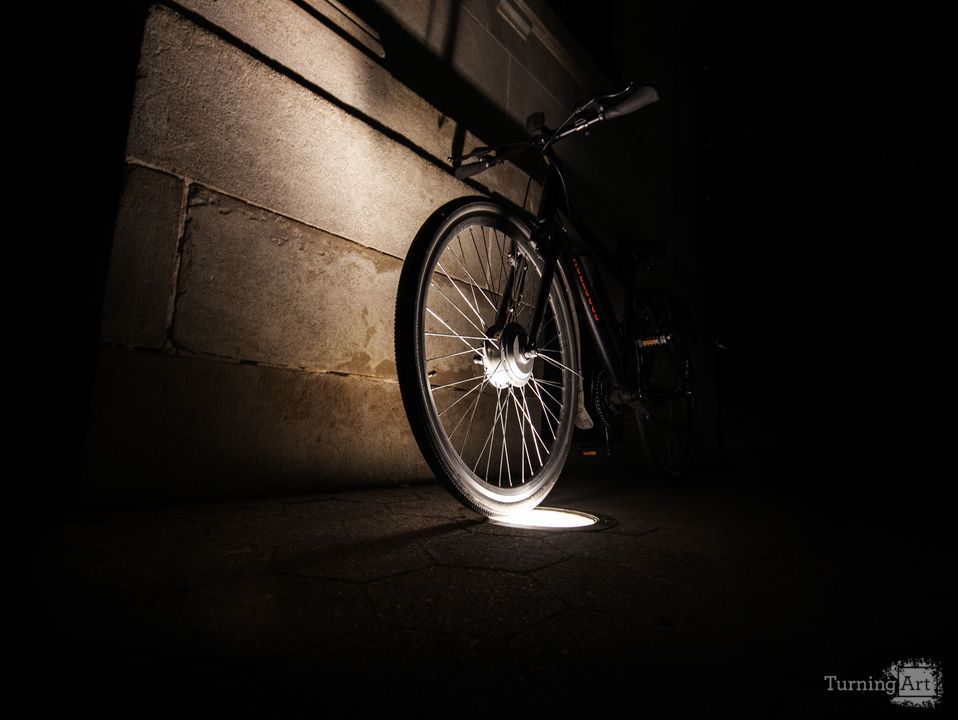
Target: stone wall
276, 171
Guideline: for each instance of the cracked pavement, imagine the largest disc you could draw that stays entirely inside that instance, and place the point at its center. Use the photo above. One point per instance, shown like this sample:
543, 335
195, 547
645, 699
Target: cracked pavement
685, 598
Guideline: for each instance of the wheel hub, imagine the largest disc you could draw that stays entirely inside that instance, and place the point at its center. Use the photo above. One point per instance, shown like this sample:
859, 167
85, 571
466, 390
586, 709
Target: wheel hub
507, 358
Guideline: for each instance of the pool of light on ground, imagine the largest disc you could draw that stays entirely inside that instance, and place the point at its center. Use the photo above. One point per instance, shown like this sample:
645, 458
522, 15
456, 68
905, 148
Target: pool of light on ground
544, 517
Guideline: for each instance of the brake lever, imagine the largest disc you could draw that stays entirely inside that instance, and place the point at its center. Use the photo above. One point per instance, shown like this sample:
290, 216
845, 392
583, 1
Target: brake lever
485, 158
616, 95
603, 101
480, 153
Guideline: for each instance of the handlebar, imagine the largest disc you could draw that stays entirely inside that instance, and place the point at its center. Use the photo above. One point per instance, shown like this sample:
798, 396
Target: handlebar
592, 111
487, 158
466, 171
633, 101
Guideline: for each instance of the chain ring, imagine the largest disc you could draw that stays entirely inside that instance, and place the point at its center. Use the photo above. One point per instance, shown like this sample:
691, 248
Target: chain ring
609, 415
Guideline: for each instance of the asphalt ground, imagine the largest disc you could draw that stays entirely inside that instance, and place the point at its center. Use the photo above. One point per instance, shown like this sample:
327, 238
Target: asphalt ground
738, 589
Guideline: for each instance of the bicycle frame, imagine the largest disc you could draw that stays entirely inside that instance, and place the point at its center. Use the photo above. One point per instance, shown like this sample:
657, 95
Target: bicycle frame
552, 237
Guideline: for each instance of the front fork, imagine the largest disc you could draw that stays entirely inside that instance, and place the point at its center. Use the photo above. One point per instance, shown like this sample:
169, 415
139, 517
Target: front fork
542, 241
545, 244
515, 285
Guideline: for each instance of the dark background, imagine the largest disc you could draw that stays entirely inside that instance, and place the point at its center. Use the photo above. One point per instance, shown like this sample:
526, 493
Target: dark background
813, 127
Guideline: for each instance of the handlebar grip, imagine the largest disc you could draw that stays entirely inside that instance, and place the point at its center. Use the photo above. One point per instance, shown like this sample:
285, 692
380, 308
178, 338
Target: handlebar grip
464, 171
645, 95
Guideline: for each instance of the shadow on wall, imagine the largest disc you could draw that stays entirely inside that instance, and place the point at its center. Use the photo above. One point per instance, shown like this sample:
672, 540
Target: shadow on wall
437, 54
80, 119
424, 64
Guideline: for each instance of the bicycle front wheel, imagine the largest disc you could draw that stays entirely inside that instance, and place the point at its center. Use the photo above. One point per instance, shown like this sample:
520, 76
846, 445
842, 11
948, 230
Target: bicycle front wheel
490, 407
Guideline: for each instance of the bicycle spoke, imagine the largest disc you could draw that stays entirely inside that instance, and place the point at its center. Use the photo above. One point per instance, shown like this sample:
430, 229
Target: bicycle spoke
483, 267
488, 443
456, 382
453, 282
472, 415
545, 408
462, 397
532, 428
454, 333
504, 423
472, 280
549, 383
459, 310
470, 351
452, 432
502, 261
559, 365
547, 344
522, 437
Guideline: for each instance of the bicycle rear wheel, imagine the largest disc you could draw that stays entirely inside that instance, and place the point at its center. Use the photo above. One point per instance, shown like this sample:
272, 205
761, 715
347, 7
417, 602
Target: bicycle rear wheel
668, 430
491, 411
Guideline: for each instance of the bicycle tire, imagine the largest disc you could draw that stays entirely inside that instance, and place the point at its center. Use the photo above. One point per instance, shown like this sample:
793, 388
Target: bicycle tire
494, 426
667, 430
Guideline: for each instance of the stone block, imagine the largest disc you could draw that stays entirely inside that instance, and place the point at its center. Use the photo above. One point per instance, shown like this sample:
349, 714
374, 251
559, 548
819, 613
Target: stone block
174, 428
259, 287
479, 59
294, 38
142, 264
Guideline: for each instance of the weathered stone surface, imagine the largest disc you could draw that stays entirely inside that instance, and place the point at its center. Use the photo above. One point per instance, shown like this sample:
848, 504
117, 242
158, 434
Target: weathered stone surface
257, 286
207, 110
170, 427
142, 264
296, 40
286, 33
480, 60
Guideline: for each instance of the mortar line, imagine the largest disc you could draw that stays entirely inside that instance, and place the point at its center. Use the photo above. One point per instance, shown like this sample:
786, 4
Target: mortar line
177, 259
192, 182
172, 349
307, 84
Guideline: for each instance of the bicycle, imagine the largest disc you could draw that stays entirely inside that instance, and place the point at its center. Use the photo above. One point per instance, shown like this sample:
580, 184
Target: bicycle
489, 344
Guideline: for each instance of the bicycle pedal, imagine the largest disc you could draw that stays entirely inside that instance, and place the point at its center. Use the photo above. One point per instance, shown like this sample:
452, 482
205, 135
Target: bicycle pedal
653, 341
